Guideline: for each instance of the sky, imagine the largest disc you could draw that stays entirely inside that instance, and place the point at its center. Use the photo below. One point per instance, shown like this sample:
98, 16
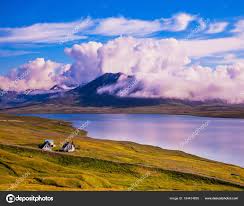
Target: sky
16, 14
71, 42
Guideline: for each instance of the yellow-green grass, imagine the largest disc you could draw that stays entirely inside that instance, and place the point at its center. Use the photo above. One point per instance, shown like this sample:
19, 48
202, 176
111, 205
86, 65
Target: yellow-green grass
100, 164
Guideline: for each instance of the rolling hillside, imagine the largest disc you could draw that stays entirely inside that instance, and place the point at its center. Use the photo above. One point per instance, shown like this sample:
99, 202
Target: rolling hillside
100, 164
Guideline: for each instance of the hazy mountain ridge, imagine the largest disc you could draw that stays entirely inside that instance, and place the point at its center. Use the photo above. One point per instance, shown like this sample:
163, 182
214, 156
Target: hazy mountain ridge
108, 90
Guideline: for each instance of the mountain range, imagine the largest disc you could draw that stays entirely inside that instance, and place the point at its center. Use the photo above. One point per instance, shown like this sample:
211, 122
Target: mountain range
110, 90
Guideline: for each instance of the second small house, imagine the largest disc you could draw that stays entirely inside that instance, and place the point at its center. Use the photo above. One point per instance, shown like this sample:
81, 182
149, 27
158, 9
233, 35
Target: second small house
68, 147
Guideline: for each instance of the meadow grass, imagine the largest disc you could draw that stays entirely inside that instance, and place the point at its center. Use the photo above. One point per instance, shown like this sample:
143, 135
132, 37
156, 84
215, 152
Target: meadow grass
100, 164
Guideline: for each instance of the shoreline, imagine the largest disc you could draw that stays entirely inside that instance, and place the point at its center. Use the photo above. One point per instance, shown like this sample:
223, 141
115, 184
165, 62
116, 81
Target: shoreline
122, 160
215, 111
132, 141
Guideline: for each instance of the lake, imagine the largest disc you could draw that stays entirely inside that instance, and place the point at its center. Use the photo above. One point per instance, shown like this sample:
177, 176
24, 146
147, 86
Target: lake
220, 139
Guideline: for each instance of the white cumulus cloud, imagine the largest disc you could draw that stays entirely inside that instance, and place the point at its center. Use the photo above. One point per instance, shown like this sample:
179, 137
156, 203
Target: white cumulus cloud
86, 66
36, 74
162, 67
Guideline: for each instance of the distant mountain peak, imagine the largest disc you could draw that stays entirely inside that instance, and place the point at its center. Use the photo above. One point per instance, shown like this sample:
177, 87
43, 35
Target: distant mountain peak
101, 81
57, 87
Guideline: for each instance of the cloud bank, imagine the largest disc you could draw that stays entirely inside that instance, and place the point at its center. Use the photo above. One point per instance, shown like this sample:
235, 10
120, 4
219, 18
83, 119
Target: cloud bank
37, 74
162, 67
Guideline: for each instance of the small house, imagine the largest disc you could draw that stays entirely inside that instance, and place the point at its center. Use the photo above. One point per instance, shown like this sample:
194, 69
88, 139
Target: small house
68, 147
47, 145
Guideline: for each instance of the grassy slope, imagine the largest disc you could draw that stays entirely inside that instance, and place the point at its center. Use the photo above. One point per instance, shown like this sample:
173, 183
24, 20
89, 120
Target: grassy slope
101, 164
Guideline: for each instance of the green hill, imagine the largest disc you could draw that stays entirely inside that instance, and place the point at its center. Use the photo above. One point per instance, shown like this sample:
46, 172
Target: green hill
100, 164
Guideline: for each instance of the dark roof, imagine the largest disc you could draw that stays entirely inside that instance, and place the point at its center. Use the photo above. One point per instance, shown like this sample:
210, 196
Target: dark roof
45, 144
67, 145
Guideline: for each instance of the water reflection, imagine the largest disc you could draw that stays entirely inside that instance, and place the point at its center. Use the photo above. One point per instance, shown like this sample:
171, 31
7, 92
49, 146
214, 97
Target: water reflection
221, 140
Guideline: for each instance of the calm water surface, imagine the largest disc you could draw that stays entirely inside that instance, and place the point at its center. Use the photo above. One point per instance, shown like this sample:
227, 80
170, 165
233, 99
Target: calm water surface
219, 139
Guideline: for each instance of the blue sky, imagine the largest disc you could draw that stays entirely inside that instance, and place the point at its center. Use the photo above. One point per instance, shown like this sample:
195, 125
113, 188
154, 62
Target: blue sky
187, 49
21, 14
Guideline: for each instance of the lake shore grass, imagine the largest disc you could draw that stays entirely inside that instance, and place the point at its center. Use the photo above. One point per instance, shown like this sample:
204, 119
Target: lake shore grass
101, 164
217, 110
